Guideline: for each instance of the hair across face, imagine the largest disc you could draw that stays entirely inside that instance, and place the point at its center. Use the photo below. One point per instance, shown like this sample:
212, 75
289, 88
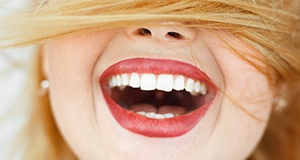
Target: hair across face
267, 26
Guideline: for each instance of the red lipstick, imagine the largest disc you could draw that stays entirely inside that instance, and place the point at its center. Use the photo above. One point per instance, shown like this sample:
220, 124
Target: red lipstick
150, 127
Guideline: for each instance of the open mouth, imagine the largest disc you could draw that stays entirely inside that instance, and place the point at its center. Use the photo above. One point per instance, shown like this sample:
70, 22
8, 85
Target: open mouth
155, 97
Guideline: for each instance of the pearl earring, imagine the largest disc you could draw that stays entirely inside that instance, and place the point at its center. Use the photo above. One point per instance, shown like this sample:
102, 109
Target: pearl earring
280, 104
45, 84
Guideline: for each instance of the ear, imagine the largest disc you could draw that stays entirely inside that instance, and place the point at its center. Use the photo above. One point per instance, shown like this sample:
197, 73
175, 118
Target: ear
280, 100
45, 61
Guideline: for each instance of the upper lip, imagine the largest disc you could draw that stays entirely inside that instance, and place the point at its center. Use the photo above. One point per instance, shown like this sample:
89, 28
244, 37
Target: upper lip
133, 122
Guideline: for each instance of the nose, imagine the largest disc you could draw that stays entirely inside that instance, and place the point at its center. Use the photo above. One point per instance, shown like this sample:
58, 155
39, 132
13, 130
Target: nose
169, 32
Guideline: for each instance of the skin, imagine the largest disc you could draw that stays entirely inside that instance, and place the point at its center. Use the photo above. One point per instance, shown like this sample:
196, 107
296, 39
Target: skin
229, 130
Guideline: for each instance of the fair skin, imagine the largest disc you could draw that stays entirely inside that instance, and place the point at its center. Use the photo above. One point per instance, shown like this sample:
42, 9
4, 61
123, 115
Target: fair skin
227, 131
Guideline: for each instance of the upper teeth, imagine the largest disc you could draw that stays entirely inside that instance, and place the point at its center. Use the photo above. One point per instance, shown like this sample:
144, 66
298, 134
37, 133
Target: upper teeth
163, 82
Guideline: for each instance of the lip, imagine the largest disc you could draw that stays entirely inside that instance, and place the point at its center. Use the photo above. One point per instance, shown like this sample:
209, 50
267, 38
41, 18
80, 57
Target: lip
160, 128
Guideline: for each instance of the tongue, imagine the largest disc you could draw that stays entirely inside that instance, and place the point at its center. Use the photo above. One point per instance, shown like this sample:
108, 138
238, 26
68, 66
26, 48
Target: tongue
172, 109
143, 107
161, 110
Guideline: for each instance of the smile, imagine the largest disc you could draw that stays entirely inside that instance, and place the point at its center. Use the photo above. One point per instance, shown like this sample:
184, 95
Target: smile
157, 97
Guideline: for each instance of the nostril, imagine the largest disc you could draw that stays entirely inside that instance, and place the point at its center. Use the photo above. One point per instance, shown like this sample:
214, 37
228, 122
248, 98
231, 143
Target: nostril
143, 32
163, 33
175, 35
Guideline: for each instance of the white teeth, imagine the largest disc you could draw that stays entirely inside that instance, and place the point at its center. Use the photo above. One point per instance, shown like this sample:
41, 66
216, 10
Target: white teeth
134, 80
119, 80
150, 114
169, 115
196, 89
125, 79
141, 113
179, 83
159, 116
156, 116
148, 82
113, 82
163, 82
189, 85
203, 89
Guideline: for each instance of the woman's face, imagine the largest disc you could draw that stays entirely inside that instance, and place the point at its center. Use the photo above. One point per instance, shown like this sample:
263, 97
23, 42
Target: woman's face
156, 92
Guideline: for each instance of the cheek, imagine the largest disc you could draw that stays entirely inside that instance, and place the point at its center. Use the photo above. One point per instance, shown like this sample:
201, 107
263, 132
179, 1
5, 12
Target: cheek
247, 104
70, 69
245, 86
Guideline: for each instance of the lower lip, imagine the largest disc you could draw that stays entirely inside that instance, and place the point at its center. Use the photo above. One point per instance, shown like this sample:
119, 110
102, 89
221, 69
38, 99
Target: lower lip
160, 128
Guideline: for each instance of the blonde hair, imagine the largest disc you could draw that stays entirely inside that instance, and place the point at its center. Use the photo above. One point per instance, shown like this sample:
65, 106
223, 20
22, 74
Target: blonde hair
269, 27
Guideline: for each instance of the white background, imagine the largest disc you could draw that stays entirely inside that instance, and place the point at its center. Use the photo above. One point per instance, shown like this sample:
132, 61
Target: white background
14, 65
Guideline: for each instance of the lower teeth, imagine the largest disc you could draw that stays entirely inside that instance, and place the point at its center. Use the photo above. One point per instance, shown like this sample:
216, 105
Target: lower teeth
156, 116
156, 104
